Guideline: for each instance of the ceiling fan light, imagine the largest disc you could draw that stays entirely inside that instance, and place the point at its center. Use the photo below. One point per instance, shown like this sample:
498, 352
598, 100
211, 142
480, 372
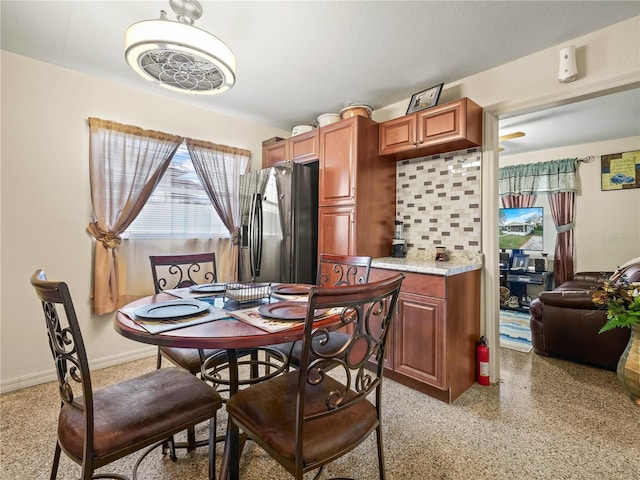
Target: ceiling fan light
180, 57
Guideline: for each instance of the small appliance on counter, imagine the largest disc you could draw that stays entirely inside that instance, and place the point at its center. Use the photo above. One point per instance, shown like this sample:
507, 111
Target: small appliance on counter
398, 244
441, 254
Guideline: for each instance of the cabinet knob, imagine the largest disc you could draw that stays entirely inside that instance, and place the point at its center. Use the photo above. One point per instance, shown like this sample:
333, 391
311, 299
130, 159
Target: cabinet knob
420, 142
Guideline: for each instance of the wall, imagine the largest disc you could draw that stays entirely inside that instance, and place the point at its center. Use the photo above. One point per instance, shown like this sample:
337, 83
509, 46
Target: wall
607, 59
607, 224
46, 203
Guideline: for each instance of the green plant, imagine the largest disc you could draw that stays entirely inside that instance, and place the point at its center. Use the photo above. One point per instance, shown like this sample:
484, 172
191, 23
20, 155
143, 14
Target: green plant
622, 300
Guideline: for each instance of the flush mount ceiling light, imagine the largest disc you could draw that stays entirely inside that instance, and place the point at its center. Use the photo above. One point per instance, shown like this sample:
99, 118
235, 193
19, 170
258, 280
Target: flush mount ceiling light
179, 56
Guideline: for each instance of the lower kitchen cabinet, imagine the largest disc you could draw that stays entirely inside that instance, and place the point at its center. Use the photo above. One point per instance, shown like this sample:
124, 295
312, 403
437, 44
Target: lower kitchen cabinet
433, 338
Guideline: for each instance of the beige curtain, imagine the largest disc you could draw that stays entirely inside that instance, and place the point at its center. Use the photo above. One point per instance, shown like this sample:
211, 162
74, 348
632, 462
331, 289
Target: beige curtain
219, 168
125, 165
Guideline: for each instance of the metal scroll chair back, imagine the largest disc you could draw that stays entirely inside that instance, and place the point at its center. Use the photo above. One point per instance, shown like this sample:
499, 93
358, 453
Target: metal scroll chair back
326, 413
179, 271
94, 429
340, 270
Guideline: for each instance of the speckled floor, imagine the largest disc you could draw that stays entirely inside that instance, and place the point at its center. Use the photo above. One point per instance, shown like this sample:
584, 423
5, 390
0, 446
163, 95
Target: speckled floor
547, 419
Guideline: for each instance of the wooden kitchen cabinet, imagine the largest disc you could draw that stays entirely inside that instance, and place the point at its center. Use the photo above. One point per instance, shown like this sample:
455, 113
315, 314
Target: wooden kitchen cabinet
275, 153
445, 128
301, 148
336, 229
434, 334
356, 190
305, 147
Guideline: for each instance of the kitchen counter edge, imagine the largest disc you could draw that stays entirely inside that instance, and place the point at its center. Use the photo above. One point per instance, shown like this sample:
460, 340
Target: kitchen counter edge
425, 266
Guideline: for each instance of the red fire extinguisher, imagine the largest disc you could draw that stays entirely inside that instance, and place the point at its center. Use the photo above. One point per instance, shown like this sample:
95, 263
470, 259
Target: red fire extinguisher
482, 361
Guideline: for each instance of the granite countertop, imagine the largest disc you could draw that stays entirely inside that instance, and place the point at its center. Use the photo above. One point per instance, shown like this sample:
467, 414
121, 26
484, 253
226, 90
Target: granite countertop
427, 264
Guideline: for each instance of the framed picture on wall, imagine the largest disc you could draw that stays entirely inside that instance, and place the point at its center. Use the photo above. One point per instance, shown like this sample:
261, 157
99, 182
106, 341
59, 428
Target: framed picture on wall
520, 261
620, 171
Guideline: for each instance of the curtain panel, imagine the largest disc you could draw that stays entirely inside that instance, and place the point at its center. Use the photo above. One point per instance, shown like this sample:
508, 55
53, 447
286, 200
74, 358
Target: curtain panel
125, 165
219, 168
539, 178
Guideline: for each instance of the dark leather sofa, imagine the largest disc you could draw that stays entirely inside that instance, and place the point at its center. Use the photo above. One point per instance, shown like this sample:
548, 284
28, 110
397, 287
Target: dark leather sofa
565, 322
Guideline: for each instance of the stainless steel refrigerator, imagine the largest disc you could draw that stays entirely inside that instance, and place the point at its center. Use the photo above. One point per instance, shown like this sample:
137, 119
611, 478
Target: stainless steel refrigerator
279, 235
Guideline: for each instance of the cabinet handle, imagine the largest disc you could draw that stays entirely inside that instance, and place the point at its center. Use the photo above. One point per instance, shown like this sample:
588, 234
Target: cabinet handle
353, 193
420, 142
413, 143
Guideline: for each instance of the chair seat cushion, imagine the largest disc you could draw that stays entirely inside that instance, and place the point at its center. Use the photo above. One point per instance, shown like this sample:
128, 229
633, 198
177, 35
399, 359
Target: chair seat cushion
187, 358
141, 410
269, 410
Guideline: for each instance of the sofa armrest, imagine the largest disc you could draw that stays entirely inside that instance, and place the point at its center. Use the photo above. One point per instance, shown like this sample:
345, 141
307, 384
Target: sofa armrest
568, 299
595, 277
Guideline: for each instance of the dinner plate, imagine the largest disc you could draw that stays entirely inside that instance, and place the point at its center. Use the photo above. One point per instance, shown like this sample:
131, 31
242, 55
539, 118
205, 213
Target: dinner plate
291, 289
293, 311
208, 288
172, 309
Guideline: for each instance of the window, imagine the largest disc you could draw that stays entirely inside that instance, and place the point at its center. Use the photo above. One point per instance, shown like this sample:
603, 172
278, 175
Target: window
179, 206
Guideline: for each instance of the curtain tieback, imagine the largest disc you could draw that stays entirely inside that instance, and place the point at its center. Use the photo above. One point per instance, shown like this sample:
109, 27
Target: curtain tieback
109, 239
565, 228
235, 237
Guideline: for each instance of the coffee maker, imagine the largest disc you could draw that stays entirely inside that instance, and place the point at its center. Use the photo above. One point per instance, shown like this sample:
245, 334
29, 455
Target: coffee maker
398, 244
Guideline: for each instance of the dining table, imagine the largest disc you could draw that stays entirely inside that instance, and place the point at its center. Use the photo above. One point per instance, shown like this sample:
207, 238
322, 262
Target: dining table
226, 325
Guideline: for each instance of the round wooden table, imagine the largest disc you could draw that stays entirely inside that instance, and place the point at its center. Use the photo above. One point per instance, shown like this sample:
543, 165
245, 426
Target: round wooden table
228, 333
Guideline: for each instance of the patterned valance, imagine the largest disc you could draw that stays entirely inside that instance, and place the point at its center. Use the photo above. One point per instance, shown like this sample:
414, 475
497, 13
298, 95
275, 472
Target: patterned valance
539, 178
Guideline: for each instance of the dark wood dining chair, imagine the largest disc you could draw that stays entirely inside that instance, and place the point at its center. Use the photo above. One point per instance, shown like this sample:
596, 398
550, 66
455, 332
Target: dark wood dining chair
180, 271
333, 270
309, 417
97, 427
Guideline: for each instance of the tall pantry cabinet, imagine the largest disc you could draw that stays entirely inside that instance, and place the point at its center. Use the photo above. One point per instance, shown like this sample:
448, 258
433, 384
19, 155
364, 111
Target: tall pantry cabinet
356, 192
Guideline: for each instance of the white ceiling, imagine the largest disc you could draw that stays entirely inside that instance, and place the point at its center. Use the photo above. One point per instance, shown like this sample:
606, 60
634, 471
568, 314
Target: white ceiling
298, 59
608, 117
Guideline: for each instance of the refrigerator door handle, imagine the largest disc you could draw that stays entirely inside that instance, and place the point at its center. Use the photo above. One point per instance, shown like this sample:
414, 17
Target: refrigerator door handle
255, 234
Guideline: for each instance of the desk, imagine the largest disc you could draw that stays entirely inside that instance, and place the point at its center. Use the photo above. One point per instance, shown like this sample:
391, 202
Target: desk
227, 333
517, 281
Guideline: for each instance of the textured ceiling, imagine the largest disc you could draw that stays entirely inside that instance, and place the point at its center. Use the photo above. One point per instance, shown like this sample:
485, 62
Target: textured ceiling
298, 59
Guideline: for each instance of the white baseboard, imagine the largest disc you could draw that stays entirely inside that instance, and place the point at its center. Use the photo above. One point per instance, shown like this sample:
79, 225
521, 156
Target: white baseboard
30, 380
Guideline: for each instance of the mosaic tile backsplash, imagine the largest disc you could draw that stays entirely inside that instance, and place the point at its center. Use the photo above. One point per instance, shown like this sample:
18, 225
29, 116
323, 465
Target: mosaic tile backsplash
438, 199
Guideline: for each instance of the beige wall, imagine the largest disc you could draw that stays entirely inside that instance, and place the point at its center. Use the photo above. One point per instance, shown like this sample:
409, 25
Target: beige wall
45, 193
606, 59
607, 224
46, 204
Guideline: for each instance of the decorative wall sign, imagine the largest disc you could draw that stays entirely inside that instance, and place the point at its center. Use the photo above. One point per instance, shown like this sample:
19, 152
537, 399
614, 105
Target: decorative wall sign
620, 171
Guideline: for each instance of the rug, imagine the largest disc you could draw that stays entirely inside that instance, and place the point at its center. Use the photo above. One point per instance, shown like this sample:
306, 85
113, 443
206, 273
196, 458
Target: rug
514, 331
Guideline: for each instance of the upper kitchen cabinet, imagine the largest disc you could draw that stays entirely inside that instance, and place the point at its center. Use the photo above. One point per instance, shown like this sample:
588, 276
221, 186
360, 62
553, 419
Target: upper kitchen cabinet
445, 128
356, 190
300, 148
305, 146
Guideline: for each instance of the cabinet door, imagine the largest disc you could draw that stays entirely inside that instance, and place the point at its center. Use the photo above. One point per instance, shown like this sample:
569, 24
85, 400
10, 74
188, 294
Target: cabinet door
305, 147
398, 135
336, 230
442, 124
338, 156
275, 153
419, 339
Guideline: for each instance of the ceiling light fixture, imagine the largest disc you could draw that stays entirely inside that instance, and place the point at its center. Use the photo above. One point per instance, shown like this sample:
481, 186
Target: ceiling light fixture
179, 56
